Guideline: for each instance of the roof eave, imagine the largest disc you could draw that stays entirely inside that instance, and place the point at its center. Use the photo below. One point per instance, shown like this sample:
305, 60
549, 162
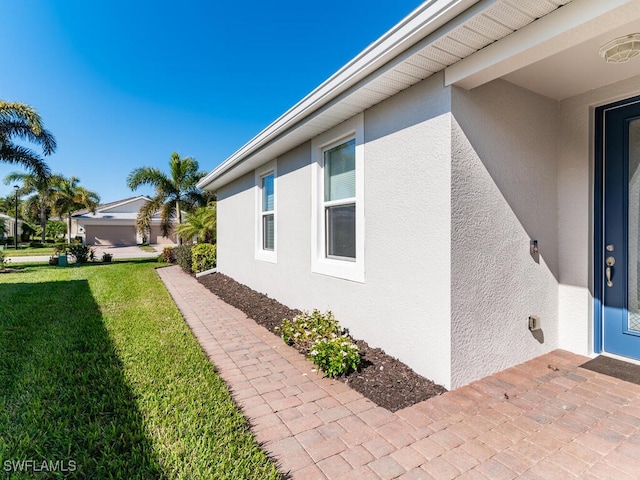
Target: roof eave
424, 20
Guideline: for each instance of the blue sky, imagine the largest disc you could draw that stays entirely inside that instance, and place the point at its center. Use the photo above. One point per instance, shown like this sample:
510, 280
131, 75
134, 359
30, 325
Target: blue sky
122, 84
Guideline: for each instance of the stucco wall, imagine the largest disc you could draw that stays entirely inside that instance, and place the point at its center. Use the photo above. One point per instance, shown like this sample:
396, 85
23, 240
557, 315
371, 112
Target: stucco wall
504, 168
575, 213
404, 304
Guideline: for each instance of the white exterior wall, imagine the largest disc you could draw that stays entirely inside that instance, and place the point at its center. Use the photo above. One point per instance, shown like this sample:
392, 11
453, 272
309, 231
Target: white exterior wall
504, 194
575, 214
403, 306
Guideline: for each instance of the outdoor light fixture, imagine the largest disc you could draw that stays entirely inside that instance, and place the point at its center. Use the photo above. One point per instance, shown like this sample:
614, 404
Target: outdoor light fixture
621, 49
15, 228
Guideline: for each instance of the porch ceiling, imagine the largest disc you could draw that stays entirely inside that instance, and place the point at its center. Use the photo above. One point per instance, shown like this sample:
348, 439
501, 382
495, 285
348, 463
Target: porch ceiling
557, 56
577, 69
436, 35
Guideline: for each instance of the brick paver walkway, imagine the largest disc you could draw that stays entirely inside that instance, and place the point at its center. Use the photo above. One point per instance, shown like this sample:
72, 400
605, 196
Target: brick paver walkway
544, 419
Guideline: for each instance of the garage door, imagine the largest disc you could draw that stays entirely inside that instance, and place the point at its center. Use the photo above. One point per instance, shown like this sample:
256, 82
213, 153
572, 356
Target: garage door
156, 238
110, 234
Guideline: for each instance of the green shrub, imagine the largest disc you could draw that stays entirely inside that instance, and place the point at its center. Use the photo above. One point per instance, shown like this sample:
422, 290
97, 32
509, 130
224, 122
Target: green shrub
203, 257
335, 356
59, 248
183, 257
81, 252
107, 257
307, 327
320, 337
36, 245
3, 260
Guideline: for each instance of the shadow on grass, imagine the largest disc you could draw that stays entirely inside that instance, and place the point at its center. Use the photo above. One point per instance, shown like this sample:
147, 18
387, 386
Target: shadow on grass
63, 394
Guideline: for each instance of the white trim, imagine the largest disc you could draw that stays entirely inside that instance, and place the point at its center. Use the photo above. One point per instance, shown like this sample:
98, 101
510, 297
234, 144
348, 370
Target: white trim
260, 253
348, 269
206, 272
530, 44
423, 21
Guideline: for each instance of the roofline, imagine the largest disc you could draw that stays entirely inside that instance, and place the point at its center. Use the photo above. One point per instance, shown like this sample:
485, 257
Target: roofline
118, 203
424, 20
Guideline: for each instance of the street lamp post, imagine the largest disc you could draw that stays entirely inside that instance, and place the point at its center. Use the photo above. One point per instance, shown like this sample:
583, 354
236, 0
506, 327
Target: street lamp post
15, 228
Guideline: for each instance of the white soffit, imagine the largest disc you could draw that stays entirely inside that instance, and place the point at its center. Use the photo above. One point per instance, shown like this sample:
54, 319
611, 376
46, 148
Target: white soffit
567, 27
436, 35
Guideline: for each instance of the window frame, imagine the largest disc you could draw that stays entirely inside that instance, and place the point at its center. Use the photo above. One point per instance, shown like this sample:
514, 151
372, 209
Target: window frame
347, 268
261, 253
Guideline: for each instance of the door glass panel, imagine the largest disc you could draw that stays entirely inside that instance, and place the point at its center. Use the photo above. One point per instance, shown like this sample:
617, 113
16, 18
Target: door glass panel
634, 226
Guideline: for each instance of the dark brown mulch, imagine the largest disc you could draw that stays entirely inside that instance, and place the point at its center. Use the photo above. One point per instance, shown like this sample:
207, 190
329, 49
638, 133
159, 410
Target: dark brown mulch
381, 378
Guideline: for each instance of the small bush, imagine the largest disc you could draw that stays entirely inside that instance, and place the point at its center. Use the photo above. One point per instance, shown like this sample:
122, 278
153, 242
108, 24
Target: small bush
320, 337
335, 356
36, 245
203, 257
183, 257
307, 327
81, 252
59, 248
107, 257
168, 255
3, 261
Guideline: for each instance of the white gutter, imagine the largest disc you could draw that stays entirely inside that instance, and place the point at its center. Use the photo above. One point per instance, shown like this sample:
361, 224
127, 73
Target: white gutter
424, 20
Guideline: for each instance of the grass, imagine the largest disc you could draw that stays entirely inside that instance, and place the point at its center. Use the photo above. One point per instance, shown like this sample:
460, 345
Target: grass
28, 252
146, 248
98, 370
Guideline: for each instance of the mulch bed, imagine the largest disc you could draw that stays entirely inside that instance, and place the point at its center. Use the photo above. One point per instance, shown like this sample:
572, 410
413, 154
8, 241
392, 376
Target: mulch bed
383, 379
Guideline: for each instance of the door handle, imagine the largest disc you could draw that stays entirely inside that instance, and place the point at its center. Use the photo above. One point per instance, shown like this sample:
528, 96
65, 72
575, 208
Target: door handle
610, 261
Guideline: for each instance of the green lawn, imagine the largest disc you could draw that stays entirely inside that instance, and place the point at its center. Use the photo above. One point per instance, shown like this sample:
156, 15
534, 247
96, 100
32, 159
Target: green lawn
27, 252
99, 372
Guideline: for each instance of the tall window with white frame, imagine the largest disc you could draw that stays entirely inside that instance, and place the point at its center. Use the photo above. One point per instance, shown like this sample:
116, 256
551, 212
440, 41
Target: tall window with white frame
340, 201
268, 212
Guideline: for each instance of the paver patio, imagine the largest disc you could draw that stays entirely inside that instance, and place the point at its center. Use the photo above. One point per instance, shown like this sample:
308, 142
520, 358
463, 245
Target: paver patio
546, 418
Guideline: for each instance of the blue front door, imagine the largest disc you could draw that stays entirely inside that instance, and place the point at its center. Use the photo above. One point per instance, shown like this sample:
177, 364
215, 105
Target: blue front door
620, 237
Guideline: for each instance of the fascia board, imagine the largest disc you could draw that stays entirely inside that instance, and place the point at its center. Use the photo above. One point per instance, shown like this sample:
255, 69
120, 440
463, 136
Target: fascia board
428, 17
528, 45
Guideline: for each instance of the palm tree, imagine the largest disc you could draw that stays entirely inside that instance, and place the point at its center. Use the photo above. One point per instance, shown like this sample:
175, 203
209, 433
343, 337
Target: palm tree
200, 223
41, 190
173, 193
21, 121
68, 196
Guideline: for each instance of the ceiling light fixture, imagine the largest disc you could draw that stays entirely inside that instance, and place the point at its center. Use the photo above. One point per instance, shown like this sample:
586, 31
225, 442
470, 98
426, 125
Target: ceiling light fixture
621, 49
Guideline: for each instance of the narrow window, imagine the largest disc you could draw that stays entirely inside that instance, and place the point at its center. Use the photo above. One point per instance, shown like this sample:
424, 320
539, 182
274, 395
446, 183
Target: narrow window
340, 201
268, 212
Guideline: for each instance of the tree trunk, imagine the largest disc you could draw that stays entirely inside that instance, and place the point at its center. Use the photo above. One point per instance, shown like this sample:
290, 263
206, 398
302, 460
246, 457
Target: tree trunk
69, 228
179, 215
43, 221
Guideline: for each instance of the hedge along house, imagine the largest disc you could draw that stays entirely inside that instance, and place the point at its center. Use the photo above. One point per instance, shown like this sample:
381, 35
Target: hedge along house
476, 166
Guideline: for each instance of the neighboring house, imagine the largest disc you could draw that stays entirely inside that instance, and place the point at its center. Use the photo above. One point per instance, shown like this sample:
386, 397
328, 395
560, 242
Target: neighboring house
9, 226
115, 224
449, 183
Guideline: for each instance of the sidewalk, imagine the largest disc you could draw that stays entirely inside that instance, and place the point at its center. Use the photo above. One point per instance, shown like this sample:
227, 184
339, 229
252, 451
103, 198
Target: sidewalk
544, 419
117, 252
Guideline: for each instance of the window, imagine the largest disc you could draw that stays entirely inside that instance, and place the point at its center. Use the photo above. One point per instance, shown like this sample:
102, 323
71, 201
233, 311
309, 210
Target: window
268, 226
266, 213
338, 210
340, 200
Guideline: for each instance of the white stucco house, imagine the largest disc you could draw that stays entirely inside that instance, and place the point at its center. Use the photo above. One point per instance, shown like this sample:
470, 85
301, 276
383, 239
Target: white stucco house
9, 226
476, 166
114, 223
